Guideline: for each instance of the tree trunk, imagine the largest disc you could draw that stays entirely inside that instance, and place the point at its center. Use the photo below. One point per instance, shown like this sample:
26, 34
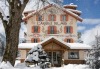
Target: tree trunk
12, 33
12, 29
12, 39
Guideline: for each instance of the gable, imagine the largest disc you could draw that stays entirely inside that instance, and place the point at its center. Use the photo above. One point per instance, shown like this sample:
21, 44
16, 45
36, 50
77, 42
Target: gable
54, 9
55, 43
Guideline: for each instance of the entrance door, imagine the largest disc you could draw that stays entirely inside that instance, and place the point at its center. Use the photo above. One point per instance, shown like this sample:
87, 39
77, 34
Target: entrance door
55, 58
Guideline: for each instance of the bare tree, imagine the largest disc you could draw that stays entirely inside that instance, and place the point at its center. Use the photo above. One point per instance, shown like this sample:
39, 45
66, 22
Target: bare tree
12, 26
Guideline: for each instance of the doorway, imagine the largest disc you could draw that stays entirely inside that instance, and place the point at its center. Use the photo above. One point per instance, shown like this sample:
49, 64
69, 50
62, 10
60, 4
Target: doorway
55, 57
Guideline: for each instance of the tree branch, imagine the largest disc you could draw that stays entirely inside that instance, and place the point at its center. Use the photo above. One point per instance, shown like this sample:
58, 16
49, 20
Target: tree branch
3, 21
24, 4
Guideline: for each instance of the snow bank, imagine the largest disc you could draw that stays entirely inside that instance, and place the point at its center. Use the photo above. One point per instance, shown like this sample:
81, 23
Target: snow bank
6, 65
73, 66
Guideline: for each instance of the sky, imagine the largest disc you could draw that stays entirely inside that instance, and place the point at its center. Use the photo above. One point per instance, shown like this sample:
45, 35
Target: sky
90, 26
90, 14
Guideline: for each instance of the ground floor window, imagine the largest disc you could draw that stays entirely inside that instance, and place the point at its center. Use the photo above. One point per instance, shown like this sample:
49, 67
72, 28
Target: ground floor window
73, 55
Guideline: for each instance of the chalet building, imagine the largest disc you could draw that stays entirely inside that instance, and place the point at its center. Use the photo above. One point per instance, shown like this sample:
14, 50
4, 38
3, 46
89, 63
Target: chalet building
55, 28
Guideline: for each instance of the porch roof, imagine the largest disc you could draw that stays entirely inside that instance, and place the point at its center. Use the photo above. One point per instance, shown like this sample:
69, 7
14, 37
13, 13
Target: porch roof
57, 41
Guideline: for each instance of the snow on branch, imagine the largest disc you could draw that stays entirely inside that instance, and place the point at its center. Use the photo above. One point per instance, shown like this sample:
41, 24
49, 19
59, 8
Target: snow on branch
3, 20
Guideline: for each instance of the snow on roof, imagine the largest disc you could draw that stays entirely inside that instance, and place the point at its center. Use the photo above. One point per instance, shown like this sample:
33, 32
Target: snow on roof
75, 15
79, 46
54, 38
27, 45
71, 5
77, 11
63, 9
70, 45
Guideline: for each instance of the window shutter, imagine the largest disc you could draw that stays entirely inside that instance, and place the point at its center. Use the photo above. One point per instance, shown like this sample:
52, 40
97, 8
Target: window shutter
55, 30
32, 30
36, 17
42, 18
38, 39
49, 17
38, 29
72, 40
48, 29
65, 39
32, 40
66, 17
71, 29
54, 17
60, 17
65, 29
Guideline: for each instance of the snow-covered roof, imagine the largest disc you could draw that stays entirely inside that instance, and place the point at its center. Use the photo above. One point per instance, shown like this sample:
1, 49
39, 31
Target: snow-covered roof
77, 11
50, 5
54, 38
27, 45
79, 46
70, 45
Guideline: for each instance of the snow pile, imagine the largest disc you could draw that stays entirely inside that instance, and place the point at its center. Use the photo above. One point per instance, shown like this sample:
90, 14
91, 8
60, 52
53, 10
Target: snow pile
5, 65
73, 66
20, 65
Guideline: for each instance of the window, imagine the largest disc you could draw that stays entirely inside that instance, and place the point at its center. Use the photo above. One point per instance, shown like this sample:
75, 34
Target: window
39, 18
63, 17
35, 29
52, 30
73, 55
68, 40
35, 40
52, 17
68, 29
18, 53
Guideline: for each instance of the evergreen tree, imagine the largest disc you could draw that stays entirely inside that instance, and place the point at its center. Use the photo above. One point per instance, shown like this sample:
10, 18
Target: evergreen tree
93, 55
38, 57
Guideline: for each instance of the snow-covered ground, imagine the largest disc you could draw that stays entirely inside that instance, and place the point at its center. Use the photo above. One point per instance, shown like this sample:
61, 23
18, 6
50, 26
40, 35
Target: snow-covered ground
19, 65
